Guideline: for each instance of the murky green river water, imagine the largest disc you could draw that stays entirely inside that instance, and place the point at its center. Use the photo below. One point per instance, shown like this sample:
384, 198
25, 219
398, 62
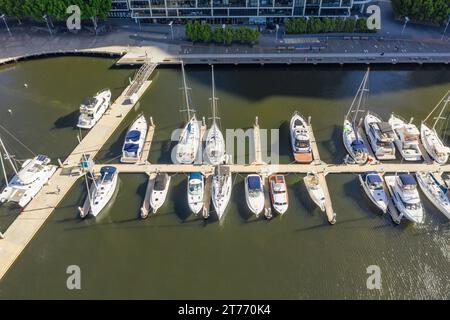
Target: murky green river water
178, 255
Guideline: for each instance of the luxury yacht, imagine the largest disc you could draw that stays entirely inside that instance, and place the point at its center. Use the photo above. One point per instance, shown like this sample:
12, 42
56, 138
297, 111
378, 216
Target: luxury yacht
28, 180
380, 136
406, 138
403, 189
254, 193
300, 139
372, 184
134, 141
93, 108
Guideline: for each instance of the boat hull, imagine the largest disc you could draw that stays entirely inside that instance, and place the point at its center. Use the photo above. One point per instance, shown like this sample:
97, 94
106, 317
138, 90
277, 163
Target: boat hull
300, 128
215, 146
380, 201
433, 192
187, 147
255, 204
348, 136
430, 141
158, 197
139, 125
316, 194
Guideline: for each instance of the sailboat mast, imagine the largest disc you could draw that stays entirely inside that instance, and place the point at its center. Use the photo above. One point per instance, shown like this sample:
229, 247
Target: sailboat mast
213, 95
186, 96
437, 105
443, 108
361, 95
8, 156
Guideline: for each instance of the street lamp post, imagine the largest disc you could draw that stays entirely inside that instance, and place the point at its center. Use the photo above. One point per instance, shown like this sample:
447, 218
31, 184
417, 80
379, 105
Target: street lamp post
48, 26
6, 24
446, 26
404, 25
354, 25
136, 17
277, 27
171, 28
223, 33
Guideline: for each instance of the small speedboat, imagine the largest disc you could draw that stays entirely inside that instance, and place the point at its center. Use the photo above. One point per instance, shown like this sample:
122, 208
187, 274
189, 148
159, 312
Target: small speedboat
435, 190
28, 180
406, 138
403, 189
93, 108
278, 193
221, 189
300, 139
195, 191
433, 144
159, 191
254, 193
380, 136
314, 189
372, 184
100, 192
355, 145
134, 141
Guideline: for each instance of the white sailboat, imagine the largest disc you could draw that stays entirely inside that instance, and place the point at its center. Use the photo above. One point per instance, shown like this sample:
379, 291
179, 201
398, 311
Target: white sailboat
300, 139
221, 189
314, 189
93, 108
430, 138
100, 192
403, 189
353, 143
195, 191
380, 136
159, 192
372, 184
28, 180
406, 138
215, 143
189, 141
134, 141
254, 193
435, 190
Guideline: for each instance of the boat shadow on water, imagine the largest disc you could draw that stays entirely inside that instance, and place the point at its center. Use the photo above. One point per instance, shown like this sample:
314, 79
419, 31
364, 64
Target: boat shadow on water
67, 121
334, 146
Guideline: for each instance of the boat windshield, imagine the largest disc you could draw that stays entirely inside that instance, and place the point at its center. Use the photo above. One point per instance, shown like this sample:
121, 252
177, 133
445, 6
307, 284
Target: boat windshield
302, 144
412, 206
195, 188
376, 186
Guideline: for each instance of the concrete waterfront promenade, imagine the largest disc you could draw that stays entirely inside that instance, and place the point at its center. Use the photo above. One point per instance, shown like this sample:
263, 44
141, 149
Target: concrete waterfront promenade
25, 226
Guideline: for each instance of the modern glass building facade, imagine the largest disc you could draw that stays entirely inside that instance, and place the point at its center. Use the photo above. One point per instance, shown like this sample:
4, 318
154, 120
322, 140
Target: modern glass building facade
232, 11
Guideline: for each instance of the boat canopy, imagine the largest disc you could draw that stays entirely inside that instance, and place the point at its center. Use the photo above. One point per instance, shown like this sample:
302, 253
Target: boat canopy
385, 127
161, 181
358, 145
133, 135
254, 182
407, 179
107, 173
131, 147
372, 177
195, 175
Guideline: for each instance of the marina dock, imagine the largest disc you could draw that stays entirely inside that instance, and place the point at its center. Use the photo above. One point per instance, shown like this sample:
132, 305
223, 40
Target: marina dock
31, 219
148, 142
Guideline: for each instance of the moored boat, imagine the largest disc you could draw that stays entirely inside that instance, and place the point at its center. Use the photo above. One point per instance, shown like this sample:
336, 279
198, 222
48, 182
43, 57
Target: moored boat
134, 141
221, 189
93, 108
100, 192
300, 139
380, 136
278, 193
403, 190
254, 193
406, 138
314, 189
159, 192
195, 191
372, 183
435, 190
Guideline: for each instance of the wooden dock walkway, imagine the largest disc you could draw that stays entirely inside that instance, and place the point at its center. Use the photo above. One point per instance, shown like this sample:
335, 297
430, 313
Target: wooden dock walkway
257, 144
146, 208
25, 226
148, 142
207, 196
331, 215
314, 148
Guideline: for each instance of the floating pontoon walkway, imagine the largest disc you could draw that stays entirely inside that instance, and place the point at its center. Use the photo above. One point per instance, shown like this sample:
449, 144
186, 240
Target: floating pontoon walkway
25, 226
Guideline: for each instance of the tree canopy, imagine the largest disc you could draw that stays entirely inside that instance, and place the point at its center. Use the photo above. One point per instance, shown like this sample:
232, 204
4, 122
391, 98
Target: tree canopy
434, 11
